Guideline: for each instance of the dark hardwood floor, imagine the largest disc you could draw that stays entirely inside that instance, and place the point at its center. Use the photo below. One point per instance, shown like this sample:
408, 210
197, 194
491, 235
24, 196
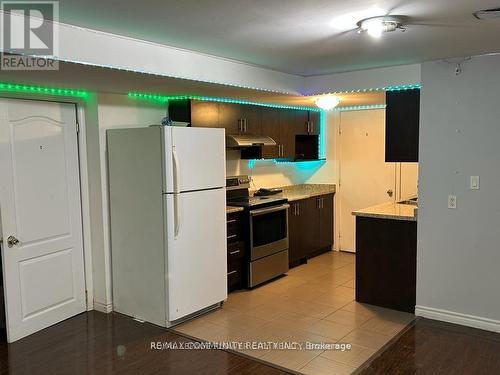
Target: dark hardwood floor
96, 343
432, 347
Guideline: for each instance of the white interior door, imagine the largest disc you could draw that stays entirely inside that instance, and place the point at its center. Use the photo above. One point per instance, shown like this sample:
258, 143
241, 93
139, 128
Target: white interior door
365, 177
40, 207
196, 251
197, 159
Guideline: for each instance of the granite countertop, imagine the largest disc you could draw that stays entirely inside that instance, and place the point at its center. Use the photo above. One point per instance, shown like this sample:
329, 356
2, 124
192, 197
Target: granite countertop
233, 209
304, 191
391, 210
295, 193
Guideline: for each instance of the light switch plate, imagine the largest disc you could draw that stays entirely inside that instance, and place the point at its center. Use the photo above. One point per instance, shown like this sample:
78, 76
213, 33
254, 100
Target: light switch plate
452, 201
474, 182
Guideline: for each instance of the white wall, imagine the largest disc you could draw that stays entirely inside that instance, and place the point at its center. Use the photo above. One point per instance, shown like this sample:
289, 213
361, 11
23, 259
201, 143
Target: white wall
458, 253
363, 79
97, 48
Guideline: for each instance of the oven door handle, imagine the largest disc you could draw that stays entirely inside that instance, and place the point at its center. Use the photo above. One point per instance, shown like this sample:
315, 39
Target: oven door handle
263, 211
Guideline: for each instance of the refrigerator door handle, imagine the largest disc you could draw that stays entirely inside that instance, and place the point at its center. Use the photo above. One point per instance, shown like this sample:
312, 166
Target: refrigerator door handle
177, 173
177, 215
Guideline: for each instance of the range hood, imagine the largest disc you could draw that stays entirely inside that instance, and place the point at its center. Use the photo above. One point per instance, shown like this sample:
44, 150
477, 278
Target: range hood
248, 140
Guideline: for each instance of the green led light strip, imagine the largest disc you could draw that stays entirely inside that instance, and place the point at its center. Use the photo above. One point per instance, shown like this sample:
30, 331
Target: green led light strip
165, 98
300, 164
14, 87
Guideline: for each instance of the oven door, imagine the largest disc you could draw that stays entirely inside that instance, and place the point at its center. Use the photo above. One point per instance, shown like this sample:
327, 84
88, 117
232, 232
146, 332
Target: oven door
268, 231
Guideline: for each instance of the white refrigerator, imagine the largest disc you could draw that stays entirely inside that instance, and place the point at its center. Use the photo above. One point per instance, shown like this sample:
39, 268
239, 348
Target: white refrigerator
168, 223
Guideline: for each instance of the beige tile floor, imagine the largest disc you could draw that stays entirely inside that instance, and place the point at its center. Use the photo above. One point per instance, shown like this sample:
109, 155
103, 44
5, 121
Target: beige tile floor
312, 303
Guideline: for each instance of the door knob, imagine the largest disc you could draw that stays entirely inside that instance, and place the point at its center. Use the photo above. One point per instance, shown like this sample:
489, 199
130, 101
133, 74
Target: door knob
390, 192
12, 241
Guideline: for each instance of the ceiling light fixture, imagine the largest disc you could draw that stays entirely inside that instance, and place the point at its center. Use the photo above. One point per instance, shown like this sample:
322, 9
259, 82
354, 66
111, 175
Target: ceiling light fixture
327, 102
376, 26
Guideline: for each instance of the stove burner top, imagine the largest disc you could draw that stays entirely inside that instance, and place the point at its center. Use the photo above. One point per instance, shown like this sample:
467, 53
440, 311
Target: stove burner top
255, 201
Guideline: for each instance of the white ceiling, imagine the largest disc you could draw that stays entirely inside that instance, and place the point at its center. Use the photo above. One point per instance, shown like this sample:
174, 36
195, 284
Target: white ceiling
296, 36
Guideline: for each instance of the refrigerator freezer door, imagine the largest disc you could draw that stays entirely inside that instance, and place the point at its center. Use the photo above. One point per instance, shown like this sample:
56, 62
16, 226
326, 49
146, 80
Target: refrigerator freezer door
196, 251
195, 159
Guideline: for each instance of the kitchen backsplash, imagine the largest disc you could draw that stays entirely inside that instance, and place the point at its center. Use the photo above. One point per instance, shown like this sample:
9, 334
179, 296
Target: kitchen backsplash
269, 174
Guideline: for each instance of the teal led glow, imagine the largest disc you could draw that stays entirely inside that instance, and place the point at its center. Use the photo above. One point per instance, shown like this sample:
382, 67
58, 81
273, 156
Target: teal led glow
299, 164
403, 87
15, 87
322, 140
360, 107
166, 98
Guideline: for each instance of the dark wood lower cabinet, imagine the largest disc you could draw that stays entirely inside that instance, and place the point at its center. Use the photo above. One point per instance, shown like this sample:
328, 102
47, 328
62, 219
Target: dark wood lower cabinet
310, 228
325, 235
235, 252
386, 252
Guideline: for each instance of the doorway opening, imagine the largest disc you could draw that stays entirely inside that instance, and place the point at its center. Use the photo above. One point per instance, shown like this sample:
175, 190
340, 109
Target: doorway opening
365, 179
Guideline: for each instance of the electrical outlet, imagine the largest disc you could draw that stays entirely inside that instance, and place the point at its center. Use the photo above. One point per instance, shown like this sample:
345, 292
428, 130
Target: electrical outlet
452, 201
474, 182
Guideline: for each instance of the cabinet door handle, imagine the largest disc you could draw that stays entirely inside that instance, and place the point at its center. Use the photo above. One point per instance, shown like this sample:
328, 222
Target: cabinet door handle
322, 203
298, 209
312, 126
232, 272
231, 221
234, 252
245, 121
232, 236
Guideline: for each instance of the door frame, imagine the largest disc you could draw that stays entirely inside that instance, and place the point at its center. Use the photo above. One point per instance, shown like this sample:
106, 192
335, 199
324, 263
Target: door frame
339, 191
84, 181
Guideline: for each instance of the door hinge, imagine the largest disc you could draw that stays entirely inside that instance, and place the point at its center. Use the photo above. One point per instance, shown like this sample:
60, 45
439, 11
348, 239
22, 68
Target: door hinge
77, 127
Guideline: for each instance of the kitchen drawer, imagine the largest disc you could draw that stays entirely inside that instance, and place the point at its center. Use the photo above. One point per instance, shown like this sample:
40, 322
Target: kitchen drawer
234, 277
235, 250
234, 228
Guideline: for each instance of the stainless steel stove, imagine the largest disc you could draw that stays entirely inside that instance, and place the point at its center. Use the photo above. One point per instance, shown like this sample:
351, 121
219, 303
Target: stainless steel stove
267, 234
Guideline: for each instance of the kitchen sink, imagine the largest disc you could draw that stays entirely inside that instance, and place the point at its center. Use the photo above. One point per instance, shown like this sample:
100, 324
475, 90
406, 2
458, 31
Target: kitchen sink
412, 202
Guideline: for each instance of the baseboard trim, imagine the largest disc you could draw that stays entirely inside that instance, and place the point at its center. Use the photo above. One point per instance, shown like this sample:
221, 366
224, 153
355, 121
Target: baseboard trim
103, 307
458, 318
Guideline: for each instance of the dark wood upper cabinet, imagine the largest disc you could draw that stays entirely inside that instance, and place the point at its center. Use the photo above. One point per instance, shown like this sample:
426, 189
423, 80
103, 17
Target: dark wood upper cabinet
296, 132
204, 114
230, 117
251, 116
402, 117
288, 130
314, 122
271, 128
240, 118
